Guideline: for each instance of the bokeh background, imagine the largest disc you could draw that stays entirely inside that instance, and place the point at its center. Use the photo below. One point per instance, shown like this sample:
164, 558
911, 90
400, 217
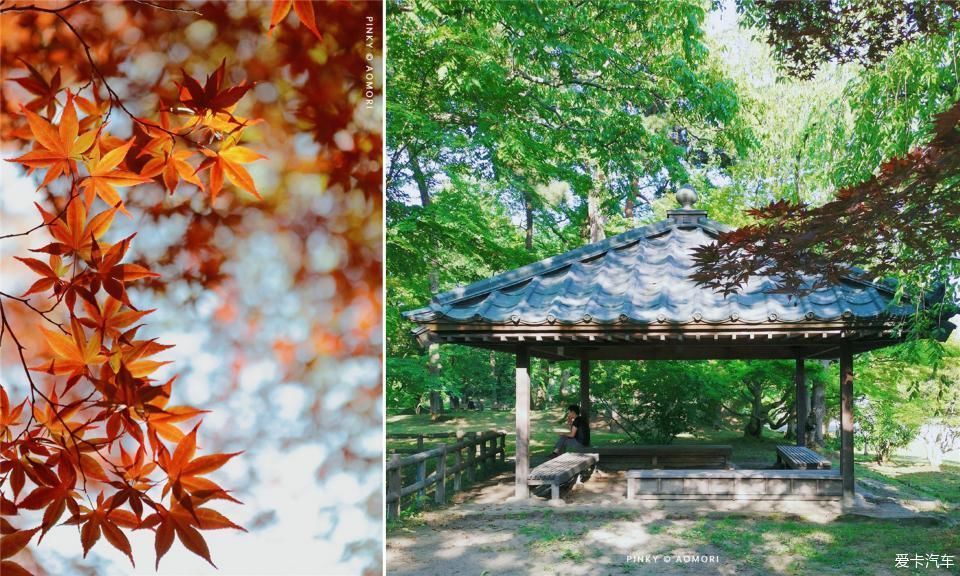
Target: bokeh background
273, 306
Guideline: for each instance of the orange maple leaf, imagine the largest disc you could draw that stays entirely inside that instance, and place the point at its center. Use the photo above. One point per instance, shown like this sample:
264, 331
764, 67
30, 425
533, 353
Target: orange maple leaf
57, 148
181, 468
104, 177
45, 91
109, 318
304, 10
105, 519
49, 275
212, 96
106, 269
71, 353
73, 234
228, 161
172, 166
8, 416
57, 420
181, 521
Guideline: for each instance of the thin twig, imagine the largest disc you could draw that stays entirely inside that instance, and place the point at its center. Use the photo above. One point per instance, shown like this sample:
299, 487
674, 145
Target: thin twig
168, 9
35, 8
114, 97
43, 224
26, 302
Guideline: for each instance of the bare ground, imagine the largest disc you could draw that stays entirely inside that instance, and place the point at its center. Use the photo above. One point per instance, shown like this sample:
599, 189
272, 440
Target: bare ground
598, 532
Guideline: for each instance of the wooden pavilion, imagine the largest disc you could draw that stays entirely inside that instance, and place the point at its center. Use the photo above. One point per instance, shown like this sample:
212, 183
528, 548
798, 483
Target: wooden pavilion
630, 297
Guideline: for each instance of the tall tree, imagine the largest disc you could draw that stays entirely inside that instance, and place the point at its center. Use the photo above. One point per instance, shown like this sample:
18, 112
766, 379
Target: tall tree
529, 93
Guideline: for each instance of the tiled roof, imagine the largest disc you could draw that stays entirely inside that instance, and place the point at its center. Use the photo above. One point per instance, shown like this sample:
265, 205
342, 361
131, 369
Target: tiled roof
642, 277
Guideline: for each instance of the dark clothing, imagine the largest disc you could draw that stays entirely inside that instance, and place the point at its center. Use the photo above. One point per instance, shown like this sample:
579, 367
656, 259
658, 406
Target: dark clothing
580, 438
565, 443
583, 431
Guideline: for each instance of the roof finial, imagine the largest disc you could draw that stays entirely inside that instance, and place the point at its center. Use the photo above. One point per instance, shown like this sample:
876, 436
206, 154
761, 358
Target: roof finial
686, 196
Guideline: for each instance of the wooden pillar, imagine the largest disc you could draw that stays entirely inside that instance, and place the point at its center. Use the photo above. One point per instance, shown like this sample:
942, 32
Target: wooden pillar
846, 422
441, 472
585, 407
801, 404
523, 423
394, 486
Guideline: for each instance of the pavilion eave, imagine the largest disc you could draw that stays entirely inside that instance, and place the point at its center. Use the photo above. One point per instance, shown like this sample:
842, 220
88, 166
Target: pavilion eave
697, 341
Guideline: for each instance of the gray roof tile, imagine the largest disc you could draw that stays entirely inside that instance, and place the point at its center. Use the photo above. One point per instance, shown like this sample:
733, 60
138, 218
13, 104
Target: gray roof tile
642, 277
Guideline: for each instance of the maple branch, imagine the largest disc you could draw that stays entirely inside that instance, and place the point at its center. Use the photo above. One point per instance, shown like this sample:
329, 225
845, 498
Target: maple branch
168, 9
44, 224
43, 314
34, 390
114, 97
35, 8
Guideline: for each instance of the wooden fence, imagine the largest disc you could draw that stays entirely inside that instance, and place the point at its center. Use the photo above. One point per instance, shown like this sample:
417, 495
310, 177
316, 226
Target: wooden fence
466, 460
420, 438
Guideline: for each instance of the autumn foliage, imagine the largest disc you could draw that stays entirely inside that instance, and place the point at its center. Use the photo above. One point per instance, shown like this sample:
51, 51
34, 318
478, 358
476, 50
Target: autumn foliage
905, 215
96, 442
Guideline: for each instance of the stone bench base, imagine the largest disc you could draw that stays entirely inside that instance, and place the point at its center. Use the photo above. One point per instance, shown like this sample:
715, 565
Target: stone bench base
561, 470
734, 484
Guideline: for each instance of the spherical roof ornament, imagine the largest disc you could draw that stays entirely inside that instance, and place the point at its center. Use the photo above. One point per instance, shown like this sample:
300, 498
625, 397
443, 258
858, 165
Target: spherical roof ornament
686, 196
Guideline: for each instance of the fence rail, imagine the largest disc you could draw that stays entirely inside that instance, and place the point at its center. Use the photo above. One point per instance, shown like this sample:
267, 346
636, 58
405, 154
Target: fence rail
491, 445
419, 438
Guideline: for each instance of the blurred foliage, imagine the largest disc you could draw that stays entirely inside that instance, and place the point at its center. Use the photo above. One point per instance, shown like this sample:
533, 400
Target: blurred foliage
275, 299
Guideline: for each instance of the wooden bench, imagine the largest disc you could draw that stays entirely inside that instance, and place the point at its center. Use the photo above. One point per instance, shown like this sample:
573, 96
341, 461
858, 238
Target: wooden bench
734, 484
561, 470
801, 458
685, 456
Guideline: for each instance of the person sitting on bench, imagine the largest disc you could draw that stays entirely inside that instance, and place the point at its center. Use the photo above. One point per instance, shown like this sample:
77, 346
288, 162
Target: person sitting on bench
579, 434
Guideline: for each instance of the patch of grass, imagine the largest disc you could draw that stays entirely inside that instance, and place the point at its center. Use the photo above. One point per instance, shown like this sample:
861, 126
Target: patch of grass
732, 536
554, 538
915, 478
845, 546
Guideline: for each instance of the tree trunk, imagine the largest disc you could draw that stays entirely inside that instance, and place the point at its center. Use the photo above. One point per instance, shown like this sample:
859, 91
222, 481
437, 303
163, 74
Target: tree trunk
564, 378
594, 219
594, 215
528, 214
433, 359
548, 381
818, 410
754, 425
421, 179
493, 376
630, 204
436, 404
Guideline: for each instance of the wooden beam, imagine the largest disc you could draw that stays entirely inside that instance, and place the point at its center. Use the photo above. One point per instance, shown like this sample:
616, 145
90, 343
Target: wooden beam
801, 400
585, 390
846, 422
523, 423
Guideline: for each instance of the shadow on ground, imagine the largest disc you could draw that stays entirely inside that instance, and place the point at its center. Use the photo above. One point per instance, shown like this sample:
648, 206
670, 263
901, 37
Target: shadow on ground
598, 532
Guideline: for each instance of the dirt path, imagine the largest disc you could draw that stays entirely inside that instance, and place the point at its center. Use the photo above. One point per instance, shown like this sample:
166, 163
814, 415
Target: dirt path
541, 542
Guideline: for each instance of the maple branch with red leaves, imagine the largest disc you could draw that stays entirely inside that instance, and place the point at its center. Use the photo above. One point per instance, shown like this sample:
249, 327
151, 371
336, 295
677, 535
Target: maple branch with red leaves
53, 451
909, 212
98, 416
